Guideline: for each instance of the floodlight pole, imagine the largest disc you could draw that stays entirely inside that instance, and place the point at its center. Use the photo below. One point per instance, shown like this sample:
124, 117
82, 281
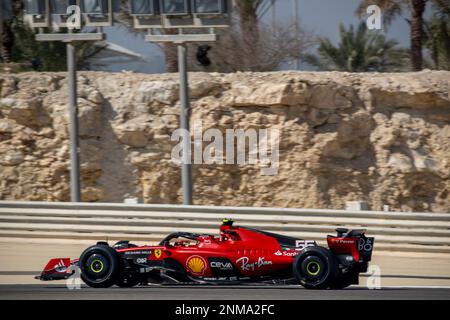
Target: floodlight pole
75, 193
296, 28
186, 169
70, 38
1, 25
192, 20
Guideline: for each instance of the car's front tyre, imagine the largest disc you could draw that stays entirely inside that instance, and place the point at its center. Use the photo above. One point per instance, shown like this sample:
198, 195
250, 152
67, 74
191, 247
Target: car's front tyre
315, 268
99, 266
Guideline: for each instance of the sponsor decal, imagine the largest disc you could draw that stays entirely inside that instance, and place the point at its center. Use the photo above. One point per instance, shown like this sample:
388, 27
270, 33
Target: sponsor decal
142, 252
60, 267
345, 241
302, 244
141, 260
290, 253
158, 253
245, 265
196, 265
233, 278
286, 253
365, 244
221, 265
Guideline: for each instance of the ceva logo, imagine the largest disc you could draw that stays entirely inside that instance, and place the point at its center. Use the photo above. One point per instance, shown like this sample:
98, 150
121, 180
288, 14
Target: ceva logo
221, 265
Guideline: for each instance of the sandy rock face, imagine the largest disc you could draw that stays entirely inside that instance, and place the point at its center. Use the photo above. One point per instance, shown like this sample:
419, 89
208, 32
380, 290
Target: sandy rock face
381, 138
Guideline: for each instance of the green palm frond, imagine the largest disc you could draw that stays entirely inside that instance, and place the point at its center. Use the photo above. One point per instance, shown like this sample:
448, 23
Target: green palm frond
437, 41
359, 50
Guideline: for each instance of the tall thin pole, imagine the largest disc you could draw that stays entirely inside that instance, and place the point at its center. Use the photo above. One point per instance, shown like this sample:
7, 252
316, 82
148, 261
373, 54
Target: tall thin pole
1, 28
186, 174
296, 28
73, 124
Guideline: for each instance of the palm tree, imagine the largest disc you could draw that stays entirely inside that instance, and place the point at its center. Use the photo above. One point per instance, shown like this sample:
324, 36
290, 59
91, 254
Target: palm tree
358, 51
248, 16
6, 42
7, 35
437, 41
393, 8
252, 45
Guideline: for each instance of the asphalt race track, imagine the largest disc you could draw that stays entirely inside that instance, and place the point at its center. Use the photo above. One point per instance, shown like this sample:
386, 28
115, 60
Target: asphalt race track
60, 292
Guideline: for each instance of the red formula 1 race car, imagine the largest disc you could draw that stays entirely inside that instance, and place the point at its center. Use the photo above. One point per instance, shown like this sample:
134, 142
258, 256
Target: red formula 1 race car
238, 255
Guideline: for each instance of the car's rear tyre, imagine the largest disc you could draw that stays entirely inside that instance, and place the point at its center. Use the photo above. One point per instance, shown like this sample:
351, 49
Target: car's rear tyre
99, 266
340, 283
315, 268
344, 280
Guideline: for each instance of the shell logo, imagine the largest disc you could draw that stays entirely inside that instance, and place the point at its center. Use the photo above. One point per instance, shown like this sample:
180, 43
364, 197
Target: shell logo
196, 264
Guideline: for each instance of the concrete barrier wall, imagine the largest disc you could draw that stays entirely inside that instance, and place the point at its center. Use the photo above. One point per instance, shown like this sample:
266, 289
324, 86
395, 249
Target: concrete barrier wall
394, 231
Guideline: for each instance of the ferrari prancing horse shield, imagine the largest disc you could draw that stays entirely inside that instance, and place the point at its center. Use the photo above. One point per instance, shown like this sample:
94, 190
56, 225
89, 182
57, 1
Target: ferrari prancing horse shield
158, 253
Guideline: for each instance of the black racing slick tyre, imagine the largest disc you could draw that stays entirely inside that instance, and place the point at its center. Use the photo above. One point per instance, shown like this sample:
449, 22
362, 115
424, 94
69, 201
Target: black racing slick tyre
344, 280
315, 268
340, 284
99, 266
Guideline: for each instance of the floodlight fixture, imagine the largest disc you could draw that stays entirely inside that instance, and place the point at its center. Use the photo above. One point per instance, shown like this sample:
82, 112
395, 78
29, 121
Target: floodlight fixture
39, 12
59, 7
175, 7
99, 13
146, 13
199, 13
209, 7
35, 7
144, 7
95, 6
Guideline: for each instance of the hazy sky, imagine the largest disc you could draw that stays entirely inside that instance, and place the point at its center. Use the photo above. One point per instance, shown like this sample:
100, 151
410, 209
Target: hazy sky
320, 16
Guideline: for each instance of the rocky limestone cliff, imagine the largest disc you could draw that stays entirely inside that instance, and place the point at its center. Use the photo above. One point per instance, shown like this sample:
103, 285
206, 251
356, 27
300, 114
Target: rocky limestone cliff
382, 138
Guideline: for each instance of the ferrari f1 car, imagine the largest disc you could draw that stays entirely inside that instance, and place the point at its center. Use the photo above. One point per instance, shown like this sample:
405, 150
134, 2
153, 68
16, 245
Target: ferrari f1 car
238, 255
